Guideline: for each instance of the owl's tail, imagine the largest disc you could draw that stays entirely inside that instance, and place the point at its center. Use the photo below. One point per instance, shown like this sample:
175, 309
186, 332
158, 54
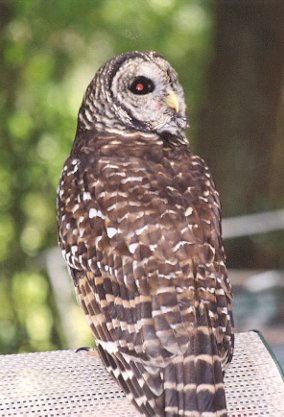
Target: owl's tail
189, 386
193, 386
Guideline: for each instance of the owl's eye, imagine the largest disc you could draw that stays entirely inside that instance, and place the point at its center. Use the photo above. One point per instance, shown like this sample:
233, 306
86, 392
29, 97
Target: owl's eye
142, 85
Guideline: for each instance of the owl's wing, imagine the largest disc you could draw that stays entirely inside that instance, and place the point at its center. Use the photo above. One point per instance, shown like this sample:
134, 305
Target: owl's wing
143, 241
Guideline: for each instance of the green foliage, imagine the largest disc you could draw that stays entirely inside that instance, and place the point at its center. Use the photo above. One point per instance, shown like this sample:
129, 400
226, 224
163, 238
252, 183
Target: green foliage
49, 52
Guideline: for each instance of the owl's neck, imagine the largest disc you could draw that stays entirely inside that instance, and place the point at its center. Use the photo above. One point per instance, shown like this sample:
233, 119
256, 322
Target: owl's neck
95, 115
174, 139
105, 126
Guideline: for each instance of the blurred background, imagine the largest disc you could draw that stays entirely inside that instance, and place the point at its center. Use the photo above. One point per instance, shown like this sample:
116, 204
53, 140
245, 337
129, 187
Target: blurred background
229, 56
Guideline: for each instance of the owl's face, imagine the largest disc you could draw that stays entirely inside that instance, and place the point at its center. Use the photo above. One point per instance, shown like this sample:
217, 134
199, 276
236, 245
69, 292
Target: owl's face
136, 91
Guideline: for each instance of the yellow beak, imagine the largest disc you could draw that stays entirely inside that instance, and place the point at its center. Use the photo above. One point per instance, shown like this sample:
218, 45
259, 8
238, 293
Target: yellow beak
172, 101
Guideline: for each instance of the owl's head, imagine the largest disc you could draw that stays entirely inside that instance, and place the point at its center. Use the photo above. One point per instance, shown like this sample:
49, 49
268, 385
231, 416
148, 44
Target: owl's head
135, 91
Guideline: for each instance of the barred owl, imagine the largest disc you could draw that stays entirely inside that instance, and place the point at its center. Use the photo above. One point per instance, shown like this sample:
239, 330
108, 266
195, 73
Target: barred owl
139, 228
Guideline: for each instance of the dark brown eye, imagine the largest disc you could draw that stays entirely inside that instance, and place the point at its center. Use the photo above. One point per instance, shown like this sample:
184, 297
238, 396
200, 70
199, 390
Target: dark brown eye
142, 85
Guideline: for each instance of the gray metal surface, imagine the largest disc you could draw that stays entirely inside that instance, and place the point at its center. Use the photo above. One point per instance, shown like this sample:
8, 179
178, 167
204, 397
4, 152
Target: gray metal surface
65, 383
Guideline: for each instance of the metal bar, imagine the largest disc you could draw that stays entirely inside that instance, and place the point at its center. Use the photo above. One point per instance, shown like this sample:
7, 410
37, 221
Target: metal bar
252, 224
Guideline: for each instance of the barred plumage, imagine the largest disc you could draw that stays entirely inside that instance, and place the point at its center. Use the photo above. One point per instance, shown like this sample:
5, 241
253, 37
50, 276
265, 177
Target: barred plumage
139, 227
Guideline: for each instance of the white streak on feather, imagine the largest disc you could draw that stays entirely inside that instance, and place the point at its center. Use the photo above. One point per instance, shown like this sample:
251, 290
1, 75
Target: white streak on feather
180, 244
132, 247
111, 231
86, 196
131, 178
141, 230
88, 115
75, 208
95, 213
188, 211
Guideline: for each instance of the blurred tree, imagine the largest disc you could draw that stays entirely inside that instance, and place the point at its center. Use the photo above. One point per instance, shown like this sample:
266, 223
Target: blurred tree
49, 52
238, 124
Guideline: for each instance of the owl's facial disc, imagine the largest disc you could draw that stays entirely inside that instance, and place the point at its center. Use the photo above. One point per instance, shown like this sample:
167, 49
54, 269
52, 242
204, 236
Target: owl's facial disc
148, 95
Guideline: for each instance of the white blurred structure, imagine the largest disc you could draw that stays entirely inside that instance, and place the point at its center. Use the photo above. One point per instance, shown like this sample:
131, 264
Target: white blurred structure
252, 224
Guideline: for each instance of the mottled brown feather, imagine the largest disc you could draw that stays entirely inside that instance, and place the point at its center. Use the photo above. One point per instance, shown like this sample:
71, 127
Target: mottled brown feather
149, 257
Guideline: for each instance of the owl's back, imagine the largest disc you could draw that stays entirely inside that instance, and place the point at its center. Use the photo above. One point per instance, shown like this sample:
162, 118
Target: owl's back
147, 259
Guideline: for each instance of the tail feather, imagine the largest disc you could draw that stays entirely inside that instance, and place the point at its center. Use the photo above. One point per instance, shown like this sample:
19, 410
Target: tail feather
140, 387
174, 388
209, 383
210, 389
194, 385
190, 385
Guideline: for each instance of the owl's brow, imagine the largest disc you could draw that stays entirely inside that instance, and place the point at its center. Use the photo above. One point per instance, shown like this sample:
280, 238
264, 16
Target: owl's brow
115, 65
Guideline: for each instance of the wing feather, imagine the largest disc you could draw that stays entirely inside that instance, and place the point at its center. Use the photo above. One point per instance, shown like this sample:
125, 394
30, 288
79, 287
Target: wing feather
143, 241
